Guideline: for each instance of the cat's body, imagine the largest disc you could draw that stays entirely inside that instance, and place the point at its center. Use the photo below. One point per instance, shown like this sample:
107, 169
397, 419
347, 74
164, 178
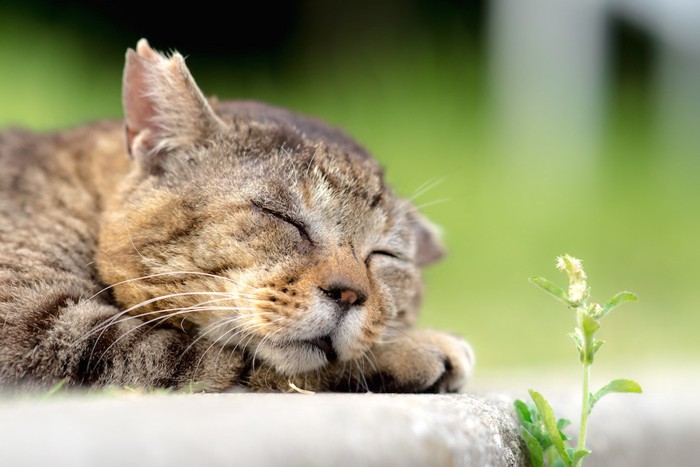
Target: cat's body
240, 244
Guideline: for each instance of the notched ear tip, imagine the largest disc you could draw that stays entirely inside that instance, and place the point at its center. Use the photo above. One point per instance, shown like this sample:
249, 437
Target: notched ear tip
142, 43
163, 107
143, 54
143, 49
177, 64
132, 62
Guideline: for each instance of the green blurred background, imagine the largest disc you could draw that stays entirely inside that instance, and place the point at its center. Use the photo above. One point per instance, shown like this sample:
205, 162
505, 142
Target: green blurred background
541, 127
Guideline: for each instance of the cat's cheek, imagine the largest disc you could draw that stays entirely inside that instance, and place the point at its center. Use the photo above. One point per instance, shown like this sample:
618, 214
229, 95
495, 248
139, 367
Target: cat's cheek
403, 285
351, 339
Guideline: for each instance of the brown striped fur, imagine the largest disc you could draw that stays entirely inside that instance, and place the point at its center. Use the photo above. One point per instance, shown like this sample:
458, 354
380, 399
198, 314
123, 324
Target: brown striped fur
225, 244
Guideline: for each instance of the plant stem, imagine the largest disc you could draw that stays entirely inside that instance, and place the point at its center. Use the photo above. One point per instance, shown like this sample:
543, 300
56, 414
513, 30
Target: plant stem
585, 409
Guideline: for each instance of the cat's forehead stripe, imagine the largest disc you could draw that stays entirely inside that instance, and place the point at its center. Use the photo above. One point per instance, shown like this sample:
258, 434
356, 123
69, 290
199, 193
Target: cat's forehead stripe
363, 184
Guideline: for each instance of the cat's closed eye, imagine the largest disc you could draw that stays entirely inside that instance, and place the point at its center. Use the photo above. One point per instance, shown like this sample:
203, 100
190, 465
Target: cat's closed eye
284, 217
385, 253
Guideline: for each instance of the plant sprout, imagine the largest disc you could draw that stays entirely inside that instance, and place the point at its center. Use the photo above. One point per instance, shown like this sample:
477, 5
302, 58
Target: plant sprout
540, 429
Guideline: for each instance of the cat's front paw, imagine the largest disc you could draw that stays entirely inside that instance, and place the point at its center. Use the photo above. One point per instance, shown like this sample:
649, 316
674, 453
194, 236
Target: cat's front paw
422, 360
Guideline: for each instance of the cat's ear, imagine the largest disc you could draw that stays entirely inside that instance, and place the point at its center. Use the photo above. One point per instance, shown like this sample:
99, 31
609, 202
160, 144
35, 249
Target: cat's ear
163, 107
429, 246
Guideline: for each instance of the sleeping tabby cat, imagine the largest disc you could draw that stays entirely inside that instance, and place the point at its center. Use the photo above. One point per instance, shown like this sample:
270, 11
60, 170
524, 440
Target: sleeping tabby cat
226, 244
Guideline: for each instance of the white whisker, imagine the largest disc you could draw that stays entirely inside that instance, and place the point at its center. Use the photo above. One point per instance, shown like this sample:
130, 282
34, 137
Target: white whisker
161, 274
433, 203
117, 317
427, 186
216, 325
156, 321
266, 337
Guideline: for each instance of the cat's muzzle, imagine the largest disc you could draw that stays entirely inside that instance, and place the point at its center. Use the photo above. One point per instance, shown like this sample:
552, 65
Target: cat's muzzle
325, 345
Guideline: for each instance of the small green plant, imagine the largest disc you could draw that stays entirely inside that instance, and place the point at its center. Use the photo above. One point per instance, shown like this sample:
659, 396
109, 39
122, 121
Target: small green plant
540, 429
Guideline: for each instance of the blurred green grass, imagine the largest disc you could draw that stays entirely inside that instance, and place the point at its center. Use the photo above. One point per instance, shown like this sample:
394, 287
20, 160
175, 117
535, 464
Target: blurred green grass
424, 110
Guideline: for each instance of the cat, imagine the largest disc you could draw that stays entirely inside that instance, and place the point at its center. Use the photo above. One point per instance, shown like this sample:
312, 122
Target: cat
211, 245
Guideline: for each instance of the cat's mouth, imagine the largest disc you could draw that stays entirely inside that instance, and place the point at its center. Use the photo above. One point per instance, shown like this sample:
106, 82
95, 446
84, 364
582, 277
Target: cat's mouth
325, 345
298, 356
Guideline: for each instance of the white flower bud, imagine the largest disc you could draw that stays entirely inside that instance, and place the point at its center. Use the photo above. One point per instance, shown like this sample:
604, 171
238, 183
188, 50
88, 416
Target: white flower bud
577, 291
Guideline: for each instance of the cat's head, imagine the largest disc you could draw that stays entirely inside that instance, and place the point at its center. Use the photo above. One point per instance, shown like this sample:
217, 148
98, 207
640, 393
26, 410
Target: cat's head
256, 227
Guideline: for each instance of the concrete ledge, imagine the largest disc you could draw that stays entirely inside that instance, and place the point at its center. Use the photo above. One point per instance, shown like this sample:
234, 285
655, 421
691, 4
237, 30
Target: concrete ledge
260, 429
658, 428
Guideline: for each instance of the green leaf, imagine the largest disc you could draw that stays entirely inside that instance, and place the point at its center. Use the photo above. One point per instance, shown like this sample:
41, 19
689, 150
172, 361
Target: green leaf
578, 455
596, 345
617, 385
536, 453
523, 411
577, 337
570, 452
589, 324
618, 299
552, 289
563, 423
550, 422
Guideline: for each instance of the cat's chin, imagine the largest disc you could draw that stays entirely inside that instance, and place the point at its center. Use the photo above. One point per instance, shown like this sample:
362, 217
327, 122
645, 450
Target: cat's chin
295, 357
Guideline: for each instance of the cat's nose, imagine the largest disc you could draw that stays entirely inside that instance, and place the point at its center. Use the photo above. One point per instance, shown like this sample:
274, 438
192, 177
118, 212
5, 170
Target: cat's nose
345, 295
343, 279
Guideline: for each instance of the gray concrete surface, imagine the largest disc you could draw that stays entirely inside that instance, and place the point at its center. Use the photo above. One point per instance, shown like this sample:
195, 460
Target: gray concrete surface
258, 430
658, 428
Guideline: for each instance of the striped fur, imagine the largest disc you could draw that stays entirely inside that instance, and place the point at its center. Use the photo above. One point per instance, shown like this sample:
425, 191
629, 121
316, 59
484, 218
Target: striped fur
227, 244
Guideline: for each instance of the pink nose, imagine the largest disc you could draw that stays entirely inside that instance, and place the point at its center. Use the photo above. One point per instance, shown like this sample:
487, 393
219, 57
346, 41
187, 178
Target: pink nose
343, 278
345, 296
348, 297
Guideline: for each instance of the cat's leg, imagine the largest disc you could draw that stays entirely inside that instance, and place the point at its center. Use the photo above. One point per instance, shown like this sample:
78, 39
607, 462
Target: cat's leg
420, 360
59, 337
413, 361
